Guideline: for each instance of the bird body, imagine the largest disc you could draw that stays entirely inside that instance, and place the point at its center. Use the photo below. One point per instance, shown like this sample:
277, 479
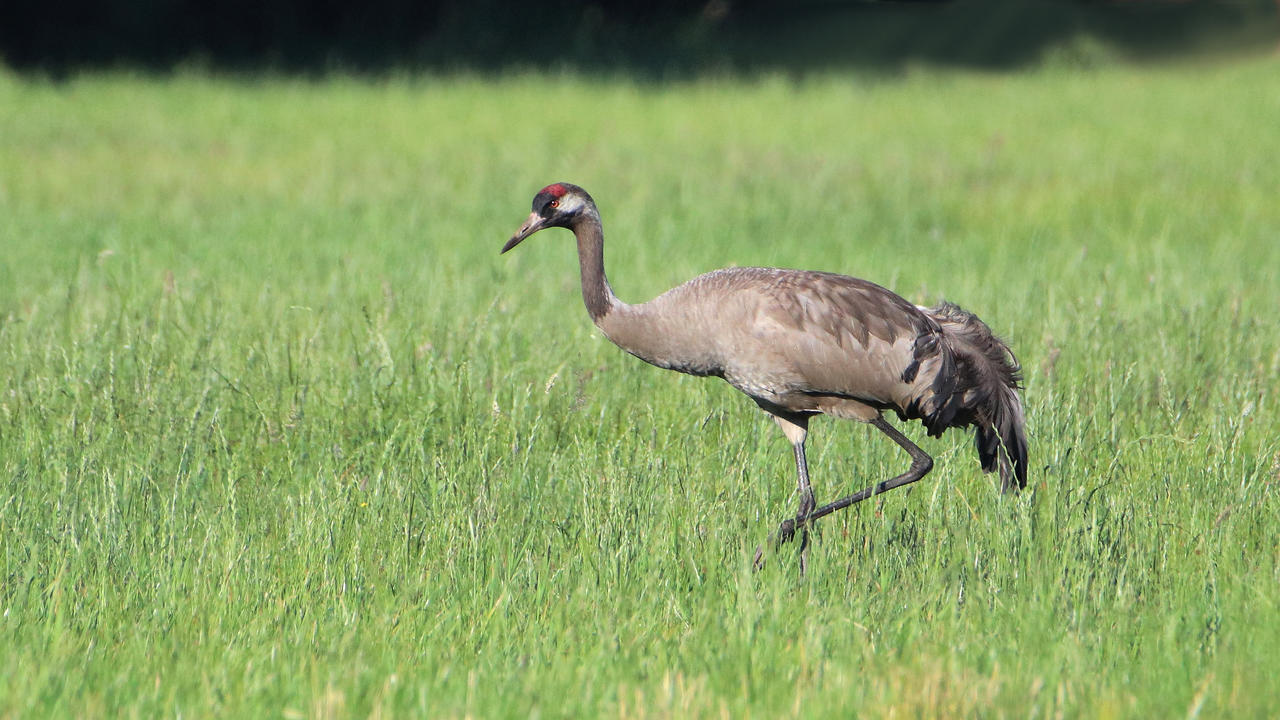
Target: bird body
776, 335
801, 343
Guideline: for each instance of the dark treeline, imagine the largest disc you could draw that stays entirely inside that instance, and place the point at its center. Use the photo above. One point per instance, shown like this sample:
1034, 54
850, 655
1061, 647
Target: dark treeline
657, 36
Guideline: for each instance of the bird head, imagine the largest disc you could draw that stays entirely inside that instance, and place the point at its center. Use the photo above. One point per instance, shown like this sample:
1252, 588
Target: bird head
556, 205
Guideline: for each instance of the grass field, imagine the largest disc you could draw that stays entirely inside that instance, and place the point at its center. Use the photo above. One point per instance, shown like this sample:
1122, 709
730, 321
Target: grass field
281, 435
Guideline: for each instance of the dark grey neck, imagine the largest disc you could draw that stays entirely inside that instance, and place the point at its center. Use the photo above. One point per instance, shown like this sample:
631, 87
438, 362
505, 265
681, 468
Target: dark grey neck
660, 332
596, 292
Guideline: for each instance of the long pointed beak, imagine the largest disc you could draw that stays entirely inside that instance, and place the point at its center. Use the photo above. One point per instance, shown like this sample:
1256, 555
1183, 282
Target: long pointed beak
530, 226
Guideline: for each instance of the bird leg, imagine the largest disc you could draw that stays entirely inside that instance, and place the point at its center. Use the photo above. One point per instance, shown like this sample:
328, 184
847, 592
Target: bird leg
921, 464
796, 428
807, 503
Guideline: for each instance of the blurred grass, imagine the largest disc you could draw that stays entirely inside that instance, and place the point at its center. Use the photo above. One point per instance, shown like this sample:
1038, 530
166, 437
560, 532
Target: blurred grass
282, 435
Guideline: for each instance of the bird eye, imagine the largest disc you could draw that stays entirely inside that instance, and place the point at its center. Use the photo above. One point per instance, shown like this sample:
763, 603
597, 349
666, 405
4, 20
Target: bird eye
554, 203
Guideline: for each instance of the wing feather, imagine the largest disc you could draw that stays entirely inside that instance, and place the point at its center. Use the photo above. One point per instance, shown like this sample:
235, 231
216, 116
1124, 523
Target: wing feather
828, 334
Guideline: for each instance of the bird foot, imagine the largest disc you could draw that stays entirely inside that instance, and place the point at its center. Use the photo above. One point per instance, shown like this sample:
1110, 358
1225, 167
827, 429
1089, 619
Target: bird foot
786, 531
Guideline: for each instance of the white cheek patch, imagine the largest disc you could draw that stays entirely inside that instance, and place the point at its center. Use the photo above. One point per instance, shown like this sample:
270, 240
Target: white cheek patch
570, 203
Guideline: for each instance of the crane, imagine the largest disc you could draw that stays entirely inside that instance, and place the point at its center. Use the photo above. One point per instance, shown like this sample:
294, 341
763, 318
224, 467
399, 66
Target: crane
803, 343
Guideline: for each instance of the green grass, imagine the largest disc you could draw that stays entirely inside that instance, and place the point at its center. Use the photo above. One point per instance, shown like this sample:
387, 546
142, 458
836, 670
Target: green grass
281, 435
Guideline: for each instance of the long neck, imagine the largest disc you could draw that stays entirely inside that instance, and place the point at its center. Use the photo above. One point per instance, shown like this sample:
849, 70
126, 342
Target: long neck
660, 332
596, 292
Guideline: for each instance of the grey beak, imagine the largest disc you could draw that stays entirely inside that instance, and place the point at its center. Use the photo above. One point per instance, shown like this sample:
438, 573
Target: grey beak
530, 226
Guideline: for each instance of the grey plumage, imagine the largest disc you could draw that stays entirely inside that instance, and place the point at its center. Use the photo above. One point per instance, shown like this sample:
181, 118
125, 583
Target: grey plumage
801, 343
984, 395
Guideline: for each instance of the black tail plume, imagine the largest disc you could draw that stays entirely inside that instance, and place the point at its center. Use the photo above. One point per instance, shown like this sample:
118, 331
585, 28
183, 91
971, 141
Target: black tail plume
985, 393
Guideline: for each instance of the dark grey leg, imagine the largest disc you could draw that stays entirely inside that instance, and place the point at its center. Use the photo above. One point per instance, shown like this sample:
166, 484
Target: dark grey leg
795, 427
807, 503
921, 464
